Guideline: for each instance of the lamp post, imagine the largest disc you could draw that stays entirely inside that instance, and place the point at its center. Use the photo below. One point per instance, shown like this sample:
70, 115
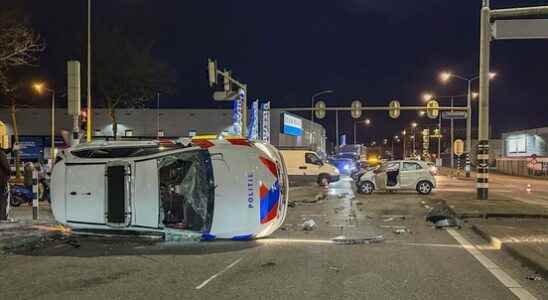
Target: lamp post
40, 88
404, 142
445, 77
367, 122
414, 126
313, 98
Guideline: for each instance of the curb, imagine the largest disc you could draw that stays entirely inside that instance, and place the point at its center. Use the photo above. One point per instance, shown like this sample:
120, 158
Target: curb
514, 253
491, 215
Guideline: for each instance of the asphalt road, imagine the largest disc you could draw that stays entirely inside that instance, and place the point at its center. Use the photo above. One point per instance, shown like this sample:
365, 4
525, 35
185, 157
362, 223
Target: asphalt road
423, 263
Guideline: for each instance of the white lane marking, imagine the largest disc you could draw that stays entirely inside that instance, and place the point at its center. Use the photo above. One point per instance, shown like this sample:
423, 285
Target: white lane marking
219, 273
502, 276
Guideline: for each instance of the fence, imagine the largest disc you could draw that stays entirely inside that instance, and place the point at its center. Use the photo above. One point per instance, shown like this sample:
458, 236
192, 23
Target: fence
523, 167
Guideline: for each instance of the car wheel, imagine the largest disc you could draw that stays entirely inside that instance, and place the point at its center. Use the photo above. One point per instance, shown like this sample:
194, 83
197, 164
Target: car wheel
366, 187
323, 180
424, 187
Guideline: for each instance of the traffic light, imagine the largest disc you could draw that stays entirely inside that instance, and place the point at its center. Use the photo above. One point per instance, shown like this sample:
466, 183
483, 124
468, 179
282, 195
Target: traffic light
394, 111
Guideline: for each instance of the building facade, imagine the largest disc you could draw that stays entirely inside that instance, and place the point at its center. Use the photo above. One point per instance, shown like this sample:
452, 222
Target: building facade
150, 123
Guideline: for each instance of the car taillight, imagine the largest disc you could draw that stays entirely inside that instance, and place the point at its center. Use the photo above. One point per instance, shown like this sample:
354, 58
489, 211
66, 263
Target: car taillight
270, 165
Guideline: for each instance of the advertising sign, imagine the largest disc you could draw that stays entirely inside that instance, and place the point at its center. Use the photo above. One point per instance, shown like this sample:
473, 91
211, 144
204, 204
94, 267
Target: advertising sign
253, 127
237, 114
291, 125
31, 147
266, 122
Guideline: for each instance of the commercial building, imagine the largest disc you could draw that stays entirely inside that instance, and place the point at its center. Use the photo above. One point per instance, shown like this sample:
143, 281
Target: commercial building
34, 126
525, 153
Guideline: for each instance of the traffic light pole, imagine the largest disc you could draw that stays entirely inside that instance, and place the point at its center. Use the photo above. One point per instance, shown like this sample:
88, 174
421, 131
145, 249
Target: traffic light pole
488, 15
226, 75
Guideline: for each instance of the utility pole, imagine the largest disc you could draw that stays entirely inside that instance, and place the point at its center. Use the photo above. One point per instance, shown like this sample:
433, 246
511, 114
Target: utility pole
355, 132
89, 116
452, 137
439, 137
337, 126
158, 115
483, 115
467, 166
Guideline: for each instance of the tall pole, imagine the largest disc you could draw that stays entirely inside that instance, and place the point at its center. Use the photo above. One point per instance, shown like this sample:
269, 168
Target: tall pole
404, 141
468, 128
89, 117
355, 133
52, 151
337, 126
439, 136
452, 137
158, 115
483, 136
312, 111
414, 151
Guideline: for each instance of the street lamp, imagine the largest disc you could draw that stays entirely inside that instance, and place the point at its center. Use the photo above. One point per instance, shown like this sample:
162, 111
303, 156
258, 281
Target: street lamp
314, 97
40, 88
414, 126
427, 97
445, 77
367, 122
404, 141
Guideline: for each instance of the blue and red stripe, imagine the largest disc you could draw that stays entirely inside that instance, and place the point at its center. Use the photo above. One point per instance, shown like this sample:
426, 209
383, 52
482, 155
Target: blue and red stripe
270, 199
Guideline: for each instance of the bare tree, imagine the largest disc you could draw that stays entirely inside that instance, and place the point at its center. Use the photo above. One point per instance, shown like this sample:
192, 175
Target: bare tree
127, 74
19, 46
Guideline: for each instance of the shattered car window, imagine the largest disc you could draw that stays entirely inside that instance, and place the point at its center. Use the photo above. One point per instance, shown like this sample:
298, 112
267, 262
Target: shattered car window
186, 190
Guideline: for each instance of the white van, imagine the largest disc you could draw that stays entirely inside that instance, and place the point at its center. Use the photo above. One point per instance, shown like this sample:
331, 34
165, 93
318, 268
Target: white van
307, 165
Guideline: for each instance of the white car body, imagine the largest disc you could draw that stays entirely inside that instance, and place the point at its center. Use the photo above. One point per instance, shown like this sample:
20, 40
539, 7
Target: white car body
412, 175
230, 189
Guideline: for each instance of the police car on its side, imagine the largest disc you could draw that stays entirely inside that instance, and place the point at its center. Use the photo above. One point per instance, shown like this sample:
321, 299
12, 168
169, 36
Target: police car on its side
229, 188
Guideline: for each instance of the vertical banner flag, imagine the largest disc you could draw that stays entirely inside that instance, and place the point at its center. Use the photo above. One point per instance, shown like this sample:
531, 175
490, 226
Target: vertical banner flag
237, 114
253, 127
266, 122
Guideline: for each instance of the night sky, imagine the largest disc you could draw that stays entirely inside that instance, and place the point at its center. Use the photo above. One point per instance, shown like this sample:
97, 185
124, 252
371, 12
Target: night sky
372, 50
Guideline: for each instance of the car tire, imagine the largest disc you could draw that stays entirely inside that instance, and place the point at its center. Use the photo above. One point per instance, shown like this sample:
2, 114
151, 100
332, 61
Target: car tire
323, 180
366, 187
424, 187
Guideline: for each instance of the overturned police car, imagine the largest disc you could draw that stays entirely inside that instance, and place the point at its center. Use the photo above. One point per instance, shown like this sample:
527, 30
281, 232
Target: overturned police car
221, 188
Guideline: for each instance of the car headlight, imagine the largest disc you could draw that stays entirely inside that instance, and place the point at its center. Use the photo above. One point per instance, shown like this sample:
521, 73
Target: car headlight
346, 167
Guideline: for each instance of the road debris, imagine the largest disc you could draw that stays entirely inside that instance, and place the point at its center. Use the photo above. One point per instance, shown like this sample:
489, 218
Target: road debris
390, 218
309, 225
344, 240
292, 203
336, 269
401, 230
268, 264
534, 277
442, 217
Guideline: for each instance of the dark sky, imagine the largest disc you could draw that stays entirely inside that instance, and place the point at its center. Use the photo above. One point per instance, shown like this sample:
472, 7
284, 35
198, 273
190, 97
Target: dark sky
373, 50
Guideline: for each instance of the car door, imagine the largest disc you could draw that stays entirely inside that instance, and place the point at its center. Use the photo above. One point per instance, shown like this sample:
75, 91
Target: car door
410, 174
380, 177
312, 164
85, 193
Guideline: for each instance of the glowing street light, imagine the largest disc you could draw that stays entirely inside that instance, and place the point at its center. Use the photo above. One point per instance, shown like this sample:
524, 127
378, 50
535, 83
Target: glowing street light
414, 124
40, 88
367, 121
427, 97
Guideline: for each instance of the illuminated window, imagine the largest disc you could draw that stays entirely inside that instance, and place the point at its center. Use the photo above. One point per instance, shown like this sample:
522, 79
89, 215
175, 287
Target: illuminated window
517, 144
129, 132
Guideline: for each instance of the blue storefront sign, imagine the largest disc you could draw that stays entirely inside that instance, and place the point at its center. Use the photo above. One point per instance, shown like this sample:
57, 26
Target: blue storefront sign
31, 147
291, 125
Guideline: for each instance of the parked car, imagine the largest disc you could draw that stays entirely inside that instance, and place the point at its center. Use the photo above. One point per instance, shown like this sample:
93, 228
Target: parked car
399, 175
231, 188
306, 165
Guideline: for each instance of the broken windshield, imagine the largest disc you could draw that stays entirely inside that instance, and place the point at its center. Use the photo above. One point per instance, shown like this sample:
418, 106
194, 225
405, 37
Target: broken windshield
186, 190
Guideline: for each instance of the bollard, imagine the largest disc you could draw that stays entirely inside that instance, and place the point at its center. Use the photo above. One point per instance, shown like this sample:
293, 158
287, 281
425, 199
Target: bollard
34, 193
